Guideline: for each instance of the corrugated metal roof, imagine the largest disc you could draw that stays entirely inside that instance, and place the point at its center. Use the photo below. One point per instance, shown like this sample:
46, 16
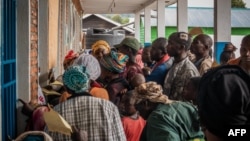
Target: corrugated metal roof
204, 17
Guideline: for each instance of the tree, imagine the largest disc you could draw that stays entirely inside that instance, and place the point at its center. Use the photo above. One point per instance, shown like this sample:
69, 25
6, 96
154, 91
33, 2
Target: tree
238, 4
119, 19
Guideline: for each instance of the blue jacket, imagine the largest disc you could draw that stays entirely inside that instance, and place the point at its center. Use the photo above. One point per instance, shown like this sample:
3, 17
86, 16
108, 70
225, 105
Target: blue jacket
159, 73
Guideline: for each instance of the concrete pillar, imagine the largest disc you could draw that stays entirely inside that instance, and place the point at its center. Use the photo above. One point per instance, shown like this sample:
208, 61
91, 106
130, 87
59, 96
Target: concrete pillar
137, 26
182, 15
23, 60
147, 24
161, 18
222, 26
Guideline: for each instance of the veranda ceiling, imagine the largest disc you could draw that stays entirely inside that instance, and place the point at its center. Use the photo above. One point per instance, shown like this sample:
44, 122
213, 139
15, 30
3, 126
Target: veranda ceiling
118, 6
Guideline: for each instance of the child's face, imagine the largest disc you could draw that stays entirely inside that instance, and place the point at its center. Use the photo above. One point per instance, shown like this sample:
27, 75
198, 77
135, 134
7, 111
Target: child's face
128, 104
189, 91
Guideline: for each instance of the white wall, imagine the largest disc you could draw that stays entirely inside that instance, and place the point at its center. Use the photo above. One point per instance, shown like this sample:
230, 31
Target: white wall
236, 40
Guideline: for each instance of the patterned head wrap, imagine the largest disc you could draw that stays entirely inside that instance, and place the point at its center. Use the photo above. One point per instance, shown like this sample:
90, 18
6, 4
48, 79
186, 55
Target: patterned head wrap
91, 63
151, 91
76, 79
100, 44
114, 62
71, 55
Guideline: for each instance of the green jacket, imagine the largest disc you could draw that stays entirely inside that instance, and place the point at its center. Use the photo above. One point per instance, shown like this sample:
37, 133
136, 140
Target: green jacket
177, 121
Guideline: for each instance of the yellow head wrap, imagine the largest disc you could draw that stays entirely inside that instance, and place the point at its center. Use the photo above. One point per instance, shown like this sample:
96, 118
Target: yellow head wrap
100, 44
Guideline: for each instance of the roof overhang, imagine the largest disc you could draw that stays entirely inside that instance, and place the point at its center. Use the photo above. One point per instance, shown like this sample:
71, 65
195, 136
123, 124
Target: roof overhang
119, 6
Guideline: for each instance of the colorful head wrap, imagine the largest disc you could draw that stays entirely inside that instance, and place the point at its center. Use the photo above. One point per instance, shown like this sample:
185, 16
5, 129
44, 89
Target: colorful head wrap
91, 63
100, 44
114, 62
76, 79
151, 91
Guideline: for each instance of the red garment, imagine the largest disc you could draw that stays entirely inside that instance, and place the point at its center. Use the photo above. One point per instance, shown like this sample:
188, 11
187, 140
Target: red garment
138, 58
133, 128
131, 70
163, 59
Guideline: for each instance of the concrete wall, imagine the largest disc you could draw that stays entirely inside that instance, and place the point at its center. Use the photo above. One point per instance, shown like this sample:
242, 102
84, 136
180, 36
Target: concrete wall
53, 32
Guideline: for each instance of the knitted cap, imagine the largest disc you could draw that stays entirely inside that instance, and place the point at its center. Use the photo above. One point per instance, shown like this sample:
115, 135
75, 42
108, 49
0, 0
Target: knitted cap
76, 79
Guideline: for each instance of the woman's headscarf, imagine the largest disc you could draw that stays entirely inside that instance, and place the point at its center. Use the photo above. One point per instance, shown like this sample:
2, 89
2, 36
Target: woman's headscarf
224, 99
69, 58
100, 44
151, 91
76, 79
91, 63
114, 62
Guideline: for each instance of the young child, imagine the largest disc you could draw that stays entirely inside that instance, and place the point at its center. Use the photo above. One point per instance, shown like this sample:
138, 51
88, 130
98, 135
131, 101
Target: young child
191, 90
137, 80
132, 122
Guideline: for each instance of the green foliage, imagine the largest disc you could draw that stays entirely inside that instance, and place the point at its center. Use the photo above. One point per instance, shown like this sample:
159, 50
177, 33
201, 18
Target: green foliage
119, 19
238, 4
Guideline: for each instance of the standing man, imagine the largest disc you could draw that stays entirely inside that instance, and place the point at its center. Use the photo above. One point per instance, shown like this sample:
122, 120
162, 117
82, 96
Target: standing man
200, 47
183, 69
163, 62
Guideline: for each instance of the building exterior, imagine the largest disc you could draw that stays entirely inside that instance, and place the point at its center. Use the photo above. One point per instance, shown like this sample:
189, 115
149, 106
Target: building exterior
203, 18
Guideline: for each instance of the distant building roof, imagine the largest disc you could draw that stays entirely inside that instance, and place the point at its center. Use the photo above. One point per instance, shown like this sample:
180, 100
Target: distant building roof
204, 17
108, 20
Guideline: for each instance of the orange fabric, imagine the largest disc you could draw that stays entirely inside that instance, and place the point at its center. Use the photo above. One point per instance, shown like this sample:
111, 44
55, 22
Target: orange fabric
133, 128
99, 92
234, 61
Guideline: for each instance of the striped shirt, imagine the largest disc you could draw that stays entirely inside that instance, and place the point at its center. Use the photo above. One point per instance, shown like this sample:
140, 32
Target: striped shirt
100, 118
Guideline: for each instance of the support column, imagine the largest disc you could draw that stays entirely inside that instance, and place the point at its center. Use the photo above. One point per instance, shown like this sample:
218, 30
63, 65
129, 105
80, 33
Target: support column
161, 18
222, 26
182, 15
147, 24
137, 26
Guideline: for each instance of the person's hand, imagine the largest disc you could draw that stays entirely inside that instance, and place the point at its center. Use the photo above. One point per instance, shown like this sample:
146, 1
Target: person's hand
78, 135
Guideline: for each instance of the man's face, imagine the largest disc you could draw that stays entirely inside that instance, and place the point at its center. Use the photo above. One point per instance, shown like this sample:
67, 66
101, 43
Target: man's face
245, 51
172, 48
197, 47
156, 53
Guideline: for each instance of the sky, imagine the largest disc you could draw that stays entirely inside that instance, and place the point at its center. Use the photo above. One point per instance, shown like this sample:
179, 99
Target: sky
208, 3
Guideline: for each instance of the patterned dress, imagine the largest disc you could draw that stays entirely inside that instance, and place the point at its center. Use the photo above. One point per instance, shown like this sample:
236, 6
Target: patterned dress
177, 77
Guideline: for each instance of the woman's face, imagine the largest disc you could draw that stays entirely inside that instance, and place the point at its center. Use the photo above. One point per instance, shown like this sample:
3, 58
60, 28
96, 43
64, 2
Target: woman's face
100, 52
146, 58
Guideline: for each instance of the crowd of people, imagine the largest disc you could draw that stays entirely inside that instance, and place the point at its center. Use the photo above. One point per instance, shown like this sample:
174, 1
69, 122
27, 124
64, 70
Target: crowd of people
155, 93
